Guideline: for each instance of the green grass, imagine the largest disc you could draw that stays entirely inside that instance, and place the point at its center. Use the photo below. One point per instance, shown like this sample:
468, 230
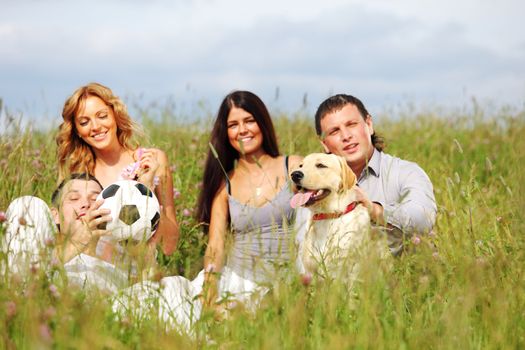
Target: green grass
468, 292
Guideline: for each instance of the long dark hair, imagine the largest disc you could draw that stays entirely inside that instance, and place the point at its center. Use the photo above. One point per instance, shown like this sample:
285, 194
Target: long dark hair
222, 156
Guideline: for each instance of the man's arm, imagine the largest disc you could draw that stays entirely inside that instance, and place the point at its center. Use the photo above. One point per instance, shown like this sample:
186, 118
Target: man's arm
415, 210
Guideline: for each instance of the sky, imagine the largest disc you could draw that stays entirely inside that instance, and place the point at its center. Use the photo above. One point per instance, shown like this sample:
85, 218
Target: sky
293, 54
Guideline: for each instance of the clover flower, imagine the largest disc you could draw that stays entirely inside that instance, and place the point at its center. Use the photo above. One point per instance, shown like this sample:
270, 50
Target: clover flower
10, 309
54, 291
45, 333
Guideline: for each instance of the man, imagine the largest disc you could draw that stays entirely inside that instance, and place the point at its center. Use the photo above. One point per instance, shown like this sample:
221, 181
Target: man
397, 193
77, 214
72, 223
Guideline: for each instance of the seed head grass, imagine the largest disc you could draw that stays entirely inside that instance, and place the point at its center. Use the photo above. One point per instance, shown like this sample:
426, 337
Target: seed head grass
460, 287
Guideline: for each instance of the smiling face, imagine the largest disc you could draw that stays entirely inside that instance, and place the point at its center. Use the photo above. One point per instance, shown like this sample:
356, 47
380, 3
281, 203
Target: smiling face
244, 133
347, 134
76, 198
95, 123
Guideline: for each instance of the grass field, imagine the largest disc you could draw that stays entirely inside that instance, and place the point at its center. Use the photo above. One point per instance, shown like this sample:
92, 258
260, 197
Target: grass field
468, 293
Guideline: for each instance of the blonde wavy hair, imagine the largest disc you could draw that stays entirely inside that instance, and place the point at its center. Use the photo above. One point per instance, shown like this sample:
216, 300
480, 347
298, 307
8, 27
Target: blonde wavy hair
76, 156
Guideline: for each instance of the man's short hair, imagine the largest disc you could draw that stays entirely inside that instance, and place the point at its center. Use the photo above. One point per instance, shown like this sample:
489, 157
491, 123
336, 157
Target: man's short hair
336, 103
55, 197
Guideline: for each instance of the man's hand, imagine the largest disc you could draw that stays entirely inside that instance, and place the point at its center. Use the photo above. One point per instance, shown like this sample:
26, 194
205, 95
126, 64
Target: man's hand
86, 231
375, 210
83, 234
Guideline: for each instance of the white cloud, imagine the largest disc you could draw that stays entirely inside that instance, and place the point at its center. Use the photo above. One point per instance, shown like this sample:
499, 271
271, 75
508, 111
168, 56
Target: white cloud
382, 51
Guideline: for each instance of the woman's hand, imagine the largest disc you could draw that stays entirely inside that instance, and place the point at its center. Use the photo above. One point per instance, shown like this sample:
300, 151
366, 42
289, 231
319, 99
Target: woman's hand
209, 303
148, 165
155, 174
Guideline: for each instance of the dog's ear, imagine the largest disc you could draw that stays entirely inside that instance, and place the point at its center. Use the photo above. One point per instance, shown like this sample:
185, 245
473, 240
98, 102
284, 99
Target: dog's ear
348, 178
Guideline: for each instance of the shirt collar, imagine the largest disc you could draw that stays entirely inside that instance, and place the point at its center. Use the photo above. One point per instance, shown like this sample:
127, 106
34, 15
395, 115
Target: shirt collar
373, 166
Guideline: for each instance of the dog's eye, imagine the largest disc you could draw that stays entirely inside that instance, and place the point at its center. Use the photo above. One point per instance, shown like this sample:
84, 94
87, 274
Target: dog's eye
300, 166
320, 165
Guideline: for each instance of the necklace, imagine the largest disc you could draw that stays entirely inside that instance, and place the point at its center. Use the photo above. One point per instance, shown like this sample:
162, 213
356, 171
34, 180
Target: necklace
258, 187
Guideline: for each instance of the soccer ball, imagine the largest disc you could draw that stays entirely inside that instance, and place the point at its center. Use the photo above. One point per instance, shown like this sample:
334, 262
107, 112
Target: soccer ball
135, 210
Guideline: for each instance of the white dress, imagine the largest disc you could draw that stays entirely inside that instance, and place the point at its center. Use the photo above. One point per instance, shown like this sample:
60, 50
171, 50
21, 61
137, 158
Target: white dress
258, 256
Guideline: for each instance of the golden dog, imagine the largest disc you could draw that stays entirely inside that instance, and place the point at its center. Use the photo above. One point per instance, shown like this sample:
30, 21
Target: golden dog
338, 230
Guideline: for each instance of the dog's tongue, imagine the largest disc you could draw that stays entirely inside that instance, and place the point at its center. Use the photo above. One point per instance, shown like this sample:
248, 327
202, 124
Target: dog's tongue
300, 199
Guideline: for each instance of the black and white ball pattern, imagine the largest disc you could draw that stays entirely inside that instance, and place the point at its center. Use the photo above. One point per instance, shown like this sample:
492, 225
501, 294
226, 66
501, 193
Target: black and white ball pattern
135, 210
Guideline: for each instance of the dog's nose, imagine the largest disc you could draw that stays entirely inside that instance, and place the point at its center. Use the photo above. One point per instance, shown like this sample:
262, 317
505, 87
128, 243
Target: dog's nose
297, 176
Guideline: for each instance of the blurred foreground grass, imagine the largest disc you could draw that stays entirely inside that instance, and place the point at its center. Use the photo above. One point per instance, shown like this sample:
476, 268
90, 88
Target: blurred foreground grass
467, 293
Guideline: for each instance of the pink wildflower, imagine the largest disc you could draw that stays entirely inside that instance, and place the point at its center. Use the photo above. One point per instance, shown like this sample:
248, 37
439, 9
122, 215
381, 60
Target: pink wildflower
128, 172
306, 279
49, 313
54, 291
45, 333
55, 262
125, 321
34, 267
10, 309
232, 304
210, 268
186, 212
49, 241
156, 181
176, 193
37, 164
3, 217
416, 240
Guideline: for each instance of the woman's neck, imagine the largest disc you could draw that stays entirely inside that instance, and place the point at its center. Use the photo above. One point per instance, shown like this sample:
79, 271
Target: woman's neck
252, 162
110, 156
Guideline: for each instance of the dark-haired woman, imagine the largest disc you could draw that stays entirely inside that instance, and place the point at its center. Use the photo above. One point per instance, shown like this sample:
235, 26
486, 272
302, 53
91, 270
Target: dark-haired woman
245, 200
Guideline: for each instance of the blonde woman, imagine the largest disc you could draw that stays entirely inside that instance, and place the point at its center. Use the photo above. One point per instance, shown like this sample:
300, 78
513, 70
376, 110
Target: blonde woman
95, 138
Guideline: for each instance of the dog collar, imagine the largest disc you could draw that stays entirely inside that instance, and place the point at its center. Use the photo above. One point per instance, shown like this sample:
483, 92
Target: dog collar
324, 216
